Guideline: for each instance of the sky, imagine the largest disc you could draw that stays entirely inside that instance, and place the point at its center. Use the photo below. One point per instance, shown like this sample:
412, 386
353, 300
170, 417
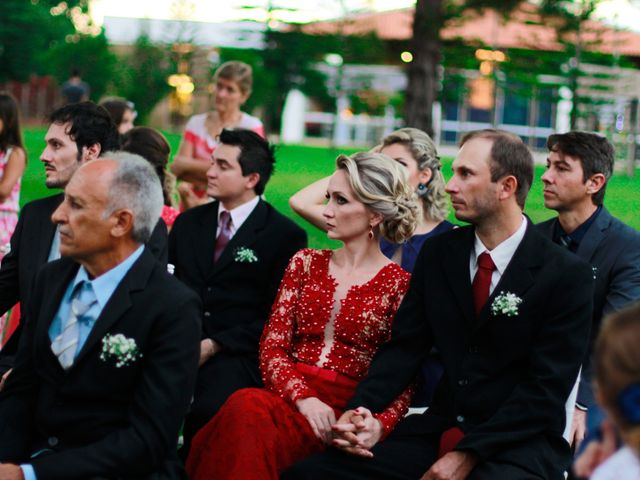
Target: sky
618, 12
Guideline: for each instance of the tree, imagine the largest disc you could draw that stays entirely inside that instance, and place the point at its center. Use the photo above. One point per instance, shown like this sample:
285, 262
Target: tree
142, 76
29, 29
90, 55
430, 17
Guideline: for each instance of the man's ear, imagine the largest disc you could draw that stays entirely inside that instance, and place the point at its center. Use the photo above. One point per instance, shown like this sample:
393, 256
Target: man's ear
507, 187
123, 222
252, 180
91, 152
595, 183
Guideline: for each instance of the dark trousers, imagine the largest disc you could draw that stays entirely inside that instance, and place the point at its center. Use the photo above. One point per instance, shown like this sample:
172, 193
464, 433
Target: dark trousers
218, 378
407, 455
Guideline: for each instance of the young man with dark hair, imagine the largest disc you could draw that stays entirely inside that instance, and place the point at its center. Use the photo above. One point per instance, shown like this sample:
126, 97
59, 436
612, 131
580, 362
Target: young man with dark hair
578, 168
233, 253
78, 133
508, 311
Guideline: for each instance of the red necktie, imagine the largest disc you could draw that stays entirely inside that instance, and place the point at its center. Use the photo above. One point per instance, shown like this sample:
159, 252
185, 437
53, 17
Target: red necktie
224, 236
482, 281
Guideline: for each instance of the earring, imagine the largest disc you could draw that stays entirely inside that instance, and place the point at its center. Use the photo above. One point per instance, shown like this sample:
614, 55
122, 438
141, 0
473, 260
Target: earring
423, 190
370, 235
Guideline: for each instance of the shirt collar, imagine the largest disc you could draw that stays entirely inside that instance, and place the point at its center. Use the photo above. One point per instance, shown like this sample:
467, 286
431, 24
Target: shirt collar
502, 253
240, 213
578, 234
104, 285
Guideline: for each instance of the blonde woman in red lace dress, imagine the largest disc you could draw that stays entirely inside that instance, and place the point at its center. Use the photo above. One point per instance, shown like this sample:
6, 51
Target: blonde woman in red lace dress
333, 311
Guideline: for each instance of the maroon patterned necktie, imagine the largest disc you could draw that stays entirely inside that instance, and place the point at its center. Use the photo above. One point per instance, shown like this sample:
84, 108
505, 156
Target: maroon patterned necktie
482, 281
224, 236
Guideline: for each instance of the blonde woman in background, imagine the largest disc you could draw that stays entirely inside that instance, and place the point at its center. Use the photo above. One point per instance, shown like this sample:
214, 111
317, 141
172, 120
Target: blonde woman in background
233, 82
417, 153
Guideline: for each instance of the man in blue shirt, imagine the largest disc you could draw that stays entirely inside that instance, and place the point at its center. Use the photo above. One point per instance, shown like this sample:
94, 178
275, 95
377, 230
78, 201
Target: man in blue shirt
107, 367
579, 167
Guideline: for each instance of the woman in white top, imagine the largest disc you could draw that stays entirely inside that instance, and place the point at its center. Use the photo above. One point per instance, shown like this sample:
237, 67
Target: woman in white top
233, 82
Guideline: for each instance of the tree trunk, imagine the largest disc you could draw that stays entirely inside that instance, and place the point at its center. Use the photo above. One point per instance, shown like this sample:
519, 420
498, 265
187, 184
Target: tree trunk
422, 72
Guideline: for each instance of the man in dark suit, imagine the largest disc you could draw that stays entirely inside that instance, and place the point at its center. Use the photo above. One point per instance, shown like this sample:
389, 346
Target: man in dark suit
109, 355
508, 311
578, 169
78, 133
233, 253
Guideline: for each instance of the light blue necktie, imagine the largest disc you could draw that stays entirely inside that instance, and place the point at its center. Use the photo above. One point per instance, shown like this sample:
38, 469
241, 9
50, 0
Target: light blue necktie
65, 345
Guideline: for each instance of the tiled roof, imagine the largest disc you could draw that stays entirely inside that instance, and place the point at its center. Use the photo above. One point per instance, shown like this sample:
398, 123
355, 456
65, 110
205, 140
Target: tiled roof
523, 30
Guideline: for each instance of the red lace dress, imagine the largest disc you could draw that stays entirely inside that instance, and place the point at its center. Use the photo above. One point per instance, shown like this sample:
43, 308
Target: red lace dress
259, 432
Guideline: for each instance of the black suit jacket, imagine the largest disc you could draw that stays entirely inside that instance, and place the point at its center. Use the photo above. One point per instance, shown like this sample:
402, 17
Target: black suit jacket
613, 250
101, 420
30, 247
236, 296
506, 378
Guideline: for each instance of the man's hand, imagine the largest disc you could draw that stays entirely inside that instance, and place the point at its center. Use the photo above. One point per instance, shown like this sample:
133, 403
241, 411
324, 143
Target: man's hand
454, 465
596, 451
357, 431
3, 380
208, 348
578, 428
319, 415
10, 472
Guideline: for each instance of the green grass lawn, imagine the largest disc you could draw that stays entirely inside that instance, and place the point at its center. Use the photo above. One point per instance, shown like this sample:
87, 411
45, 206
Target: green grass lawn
298, 166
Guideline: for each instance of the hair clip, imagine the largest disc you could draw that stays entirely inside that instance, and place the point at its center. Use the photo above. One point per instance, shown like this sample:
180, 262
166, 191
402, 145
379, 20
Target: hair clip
629, 403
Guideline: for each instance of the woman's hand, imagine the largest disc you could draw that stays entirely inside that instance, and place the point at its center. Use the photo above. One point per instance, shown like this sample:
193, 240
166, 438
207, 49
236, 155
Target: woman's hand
319, 415
357, 431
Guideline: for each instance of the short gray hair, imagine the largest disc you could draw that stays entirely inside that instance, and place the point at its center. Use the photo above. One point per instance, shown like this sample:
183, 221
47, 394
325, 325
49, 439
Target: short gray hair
135, 186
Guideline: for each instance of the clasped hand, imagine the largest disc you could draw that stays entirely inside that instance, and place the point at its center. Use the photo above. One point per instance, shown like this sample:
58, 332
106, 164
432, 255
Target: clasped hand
357, 431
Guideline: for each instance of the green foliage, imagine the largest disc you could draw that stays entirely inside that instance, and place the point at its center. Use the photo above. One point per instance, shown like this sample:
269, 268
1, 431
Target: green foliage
28, 30
142, 76
91, 55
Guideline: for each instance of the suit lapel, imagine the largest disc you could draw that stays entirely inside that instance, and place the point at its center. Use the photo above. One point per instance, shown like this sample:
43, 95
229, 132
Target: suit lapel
244, 237
594, 235
204, 240
517, 277
135, 280
47, 230
457, 272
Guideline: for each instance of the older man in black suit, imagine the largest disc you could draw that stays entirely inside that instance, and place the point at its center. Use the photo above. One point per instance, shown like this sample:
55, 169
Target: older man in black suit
233, 253
578, 168
78, 133
508, 311
108, 359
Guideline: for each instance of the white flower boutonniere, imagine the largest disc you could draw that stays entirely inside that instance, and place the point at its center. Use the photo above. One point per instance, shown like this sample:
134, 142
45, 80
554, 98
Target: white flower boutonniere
119, 348
506, 304
244, 255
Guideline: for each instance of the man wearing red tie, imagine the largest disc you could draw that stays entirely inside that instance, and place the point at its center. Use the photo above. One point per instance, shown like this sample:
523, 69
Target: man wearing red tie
508, 311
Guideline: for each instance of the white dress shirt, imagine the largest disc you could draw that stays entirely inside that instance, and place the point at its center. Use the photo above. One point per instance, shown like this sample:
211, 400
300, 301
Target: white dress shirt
238, 215
501, 254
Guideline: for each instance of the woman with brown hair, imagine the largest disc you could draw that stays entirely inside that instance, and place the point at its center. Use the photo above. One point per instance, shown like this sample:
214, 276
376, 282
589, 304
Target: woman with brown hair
154, 148
617, 369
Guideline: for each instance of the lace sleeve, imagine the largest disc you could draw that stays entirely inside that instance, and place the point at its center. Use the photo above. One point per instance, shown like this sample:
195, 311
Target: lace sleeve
276, 363
395, 411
